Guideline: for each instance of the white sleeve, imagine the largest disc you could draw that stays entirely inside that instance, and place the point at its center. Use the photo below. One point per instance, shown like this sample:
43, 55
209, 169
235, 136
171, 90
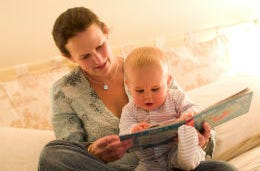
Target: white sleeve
183, 104
127, 120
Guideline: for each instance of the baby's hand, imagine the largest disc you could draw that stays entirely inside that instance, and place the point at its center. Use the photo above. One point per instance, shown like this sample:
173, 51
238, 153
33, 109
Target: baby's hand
140, 127
188, 118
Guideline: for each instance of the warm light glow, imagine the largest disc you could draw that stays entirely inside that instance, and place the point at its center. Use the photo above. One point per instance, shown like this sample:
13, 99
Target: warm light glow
245, 50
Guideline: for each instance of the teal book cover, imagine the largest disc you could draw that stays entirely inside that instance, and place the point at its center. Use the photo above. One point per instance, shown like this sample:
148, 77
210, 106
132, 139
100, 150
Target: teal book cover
223, 111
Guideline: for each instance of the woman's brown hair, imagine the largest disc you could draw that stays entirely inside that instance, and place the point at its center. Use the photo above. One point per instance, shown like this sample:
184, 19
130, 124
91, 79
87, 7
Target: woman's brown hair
71, 22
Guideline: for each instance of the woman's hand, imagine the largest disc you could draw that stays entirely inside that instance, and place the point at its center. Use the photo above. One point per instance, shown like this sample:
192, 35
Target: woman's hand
109, 148
205, 135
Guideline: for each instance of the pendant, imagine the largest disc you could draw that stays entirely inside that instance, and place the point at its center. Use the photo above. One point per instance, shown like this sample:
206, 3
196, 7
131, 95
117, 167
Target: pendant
105, 87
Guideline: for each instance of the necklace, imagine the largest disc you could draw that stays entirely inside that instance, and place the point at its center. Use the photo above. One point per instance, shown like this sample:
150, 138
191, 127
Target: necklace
105, 85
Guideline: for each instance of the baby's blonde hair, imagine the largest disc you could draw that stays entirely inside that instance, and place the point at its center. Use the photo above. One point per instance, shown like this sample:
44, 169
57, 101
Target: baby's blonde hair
144, 56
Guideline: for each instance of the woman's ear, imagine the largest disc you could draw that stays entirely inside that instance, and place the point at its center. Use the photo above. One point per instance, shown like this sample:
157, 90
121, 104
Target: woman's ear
169, 80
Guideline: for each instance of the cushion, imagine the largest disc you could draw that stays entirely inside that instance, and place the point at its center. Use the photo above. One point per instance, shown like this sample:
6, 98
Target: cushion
25, 97
197, 64
194, 64
242, 133
8, 113
20, 148
249, 160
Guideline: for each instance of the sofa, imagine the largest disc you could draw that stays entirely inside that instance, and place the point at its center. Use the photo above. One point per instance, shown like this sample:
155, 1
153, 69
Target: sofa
25, 107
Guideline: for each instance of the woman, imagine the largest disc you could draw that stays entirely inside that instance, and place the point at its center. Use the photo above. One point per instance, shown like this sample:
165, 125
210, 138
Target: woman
87, 103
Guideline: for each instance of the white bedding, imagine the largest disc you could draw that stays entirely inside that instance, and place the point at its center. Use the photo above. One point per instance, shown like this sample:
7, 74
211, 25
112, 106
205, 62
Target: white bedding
239, 136
248, 161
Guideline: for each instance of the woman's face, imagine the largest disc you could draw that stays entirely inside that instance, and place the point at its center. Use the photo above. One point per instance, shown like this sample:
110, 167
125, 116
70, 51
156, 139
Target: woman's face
91, 51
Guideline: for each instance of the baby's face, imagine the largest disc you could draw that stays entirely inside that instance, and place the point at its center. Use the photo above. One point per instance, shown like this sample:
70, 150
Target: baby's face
148, 86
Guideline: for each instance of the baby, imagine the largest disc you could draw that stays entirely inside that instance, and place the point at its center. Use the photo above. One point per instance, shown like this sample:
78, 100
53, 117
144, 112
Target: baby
147, 78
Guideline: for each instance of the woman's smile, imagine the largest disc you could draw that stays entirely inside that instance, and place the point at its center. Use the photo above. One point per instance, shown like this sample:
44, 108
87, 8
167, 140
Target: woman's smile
102, 66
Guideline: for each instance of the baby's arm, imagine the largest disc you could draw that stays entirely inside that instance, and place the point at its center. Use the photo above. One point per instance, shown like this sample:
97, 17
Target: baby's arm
127, 120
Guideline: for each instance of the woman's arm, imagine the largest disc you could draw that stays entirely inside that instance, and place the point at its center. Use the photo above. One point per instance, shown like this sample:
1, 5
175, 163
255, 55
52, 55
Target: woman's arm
66, 124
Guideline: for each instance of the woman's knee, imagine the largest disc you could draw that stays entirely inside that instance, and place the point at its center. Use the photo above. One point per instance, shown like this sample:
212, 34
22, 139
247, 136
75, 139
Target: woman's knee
50, 153
63, 155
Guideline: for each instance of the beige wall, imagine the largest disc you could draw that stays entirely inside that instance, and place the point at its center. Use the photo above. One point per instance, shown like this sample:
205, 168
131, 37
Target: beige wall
25, 25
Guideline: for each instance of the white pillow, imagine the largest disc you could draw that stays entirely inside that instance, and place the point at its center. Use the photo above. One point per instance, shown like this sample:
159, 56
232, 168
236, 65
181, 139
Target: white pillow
20, 148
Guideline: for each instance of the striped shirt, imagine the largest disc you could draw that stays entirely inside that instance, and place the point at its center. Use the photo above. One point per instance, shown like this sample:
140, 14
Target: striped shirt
175, 105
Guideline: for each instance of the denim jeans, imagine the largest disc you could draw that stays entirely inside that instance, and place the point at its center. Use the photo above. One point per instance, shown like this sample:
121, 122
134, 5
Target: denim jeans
213, 165
69, 156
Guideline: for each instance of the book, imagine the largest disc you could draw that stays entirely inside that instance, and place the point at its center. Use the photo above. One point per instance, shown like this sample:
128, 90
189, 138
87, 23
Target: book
231, 107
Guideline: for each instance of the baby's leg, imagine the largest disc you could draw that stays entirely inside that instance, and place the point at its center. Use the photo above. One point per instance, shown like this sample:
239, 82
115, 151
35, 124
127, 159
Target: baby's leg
189, 154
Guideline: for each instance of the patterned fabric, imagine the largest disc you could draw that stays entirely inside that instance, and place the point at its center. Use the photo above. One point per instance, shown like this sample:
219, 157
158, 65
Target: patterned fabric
25, 100
195, 63
175, 105
79, 115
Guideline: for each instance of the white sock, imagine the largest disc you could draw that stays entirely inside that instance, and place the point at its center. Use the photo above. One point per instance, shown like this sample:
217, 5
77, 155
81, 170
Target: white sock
189, 154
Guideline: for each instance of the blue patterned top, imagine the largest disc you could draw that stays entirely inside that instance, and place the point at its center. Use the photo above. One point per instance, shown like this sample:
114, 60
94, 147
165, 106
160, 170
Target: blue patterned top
79, 115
